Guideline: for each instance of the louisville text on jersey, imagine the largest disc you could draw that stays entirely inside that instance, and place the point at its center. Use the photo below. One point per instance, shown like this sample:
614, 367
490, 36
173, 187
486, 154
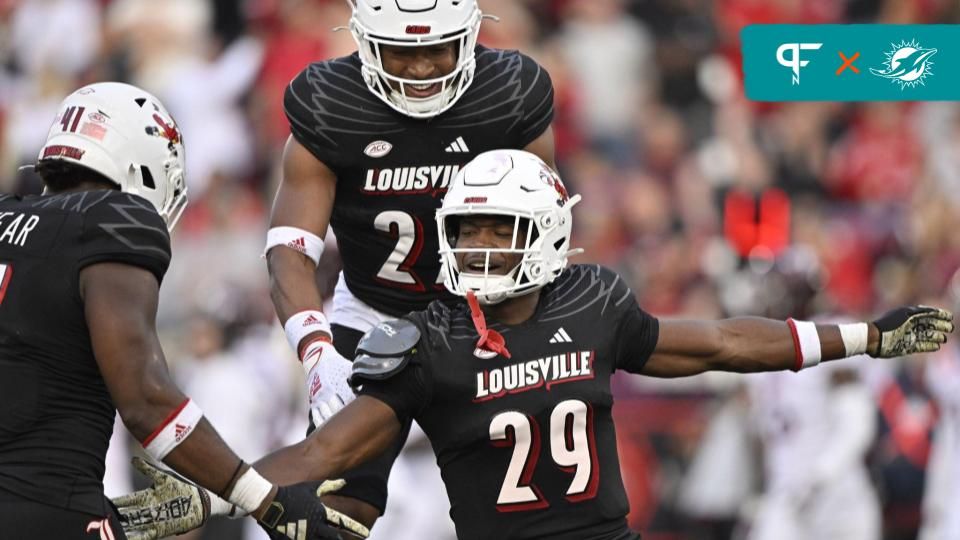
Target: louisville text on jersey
540, 373
15, 230
410, 180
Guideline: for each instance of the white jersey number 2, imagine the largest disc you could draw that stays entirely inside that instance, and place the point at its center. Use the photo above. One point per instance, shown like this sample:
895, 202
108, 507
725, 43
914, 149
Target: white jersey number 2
572, 448
397, 270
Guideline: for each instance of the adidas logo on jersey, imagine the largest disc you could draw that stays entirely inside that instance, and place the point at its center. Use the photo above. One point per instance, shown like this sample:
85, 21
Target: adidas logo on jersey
561, 336
458, 146
410, 180
540, 373
296, 530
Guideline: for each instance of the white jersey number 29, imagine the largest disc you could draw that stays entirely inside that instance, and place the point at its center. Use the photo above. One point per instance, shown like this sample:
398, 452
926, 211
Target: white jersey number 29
397, 270
572, 448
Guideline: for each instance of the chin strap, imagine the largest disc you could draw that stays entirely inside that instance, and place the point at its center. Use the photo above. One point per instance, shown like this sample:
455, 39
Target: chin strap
490, 340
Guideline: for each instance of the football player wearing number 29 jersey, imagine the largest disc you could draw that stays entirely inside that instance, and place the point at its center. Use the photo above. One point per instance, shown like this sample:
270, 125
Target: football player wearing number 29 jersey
376, 139
512, 384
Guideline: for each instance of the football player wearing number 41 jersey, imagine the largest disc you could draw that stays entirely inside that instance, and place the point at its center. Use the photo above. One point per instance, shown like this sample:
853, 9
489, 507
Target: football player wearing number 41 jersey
512, 385
376, 138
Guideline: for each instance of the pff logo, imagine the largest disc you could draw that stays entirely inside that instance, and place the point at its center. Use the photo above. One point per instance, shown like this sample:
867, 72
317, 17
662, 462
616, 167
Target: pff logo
794, 62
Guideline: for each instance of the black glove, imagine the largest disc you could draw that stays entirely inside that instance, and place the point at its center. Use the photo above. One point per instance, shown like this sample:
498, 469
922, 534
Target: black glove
914, 329
296, 512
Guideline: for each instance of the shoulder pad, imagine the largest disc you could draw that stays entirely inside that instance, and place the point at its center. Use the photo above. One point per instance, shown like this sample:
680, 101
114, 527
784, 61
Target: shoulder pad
384, 351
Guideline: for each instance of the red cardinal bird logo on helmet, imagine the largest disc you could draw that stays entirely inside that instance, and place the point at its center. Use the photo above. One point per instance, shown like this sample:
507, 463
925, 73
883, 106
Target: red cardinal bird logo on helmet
551, 179
168, 131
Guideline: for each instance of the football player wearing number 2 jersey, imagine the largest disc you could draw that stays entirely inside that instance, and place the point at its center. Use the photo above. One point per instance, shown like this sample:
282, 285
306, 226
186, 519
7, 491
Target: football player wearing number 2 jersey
376, 139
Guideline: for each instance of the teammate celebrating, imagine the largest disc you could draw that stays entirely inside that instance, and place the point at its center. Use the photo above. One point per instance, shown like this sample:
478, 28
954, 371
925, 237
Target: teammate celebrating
376, 139
80, 270
520, 419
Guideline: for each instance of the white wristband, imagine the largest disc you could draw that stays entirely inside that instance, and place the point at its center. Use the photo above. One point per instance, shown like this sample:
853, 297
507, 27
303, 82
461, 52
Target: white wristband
297, 239
301, 324
806, 340
855, 337
173, 430
250, 491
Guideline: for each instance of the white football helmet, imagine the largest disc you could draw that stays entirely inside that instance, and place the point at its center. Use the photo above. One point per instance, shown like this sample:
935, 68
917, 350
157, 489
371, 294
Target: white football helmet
517, 184
416, 23
126, 135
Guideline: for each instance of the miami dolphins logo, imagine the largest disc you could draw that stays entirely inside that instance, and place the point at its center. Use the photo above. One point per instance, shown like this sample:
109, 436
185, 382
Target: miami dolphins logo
907, 64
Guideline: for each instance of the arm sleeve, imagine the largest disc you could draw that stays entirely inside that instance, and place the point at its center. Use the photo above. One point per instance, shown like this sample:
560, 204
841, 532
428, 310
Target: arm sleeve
537, 101
636, 330
127, 229
407, 392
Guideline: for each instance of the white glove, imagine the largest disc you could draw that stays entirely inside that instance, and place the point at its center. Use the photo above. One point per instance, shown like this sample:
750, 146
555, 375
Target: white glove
327, 374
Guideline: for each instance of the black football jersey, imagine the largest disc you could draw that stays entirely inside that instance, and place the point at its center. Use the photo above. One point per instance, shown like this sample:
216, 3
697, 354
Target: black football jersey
392, 170
56, 415
526, 444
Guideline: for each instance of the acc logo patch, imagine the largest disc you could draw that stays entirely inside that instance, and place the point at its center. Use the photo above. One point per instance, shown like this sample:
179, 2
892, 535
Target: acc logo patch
378, 149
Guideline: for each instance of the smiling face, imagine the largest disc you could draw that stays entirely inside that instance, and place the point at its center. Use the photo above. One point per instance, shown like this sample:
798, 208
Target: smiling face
484, 232
419, 63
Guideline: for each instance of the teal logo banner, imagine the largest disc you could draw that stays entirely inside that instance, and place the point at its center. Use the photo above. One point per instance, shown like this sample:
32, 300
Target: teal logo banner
851, 62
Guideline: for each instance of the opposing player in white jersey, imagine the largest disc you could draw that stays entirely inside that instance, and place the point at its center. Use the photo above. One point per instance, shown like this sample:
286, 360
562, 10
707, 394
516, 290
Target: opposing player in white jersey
816, 428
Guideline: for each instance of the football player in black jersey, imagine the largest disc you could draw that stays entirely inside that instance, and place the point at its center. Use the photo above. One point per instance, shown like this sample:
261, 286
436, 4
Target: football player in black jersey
377, 136
512, 386
80, 271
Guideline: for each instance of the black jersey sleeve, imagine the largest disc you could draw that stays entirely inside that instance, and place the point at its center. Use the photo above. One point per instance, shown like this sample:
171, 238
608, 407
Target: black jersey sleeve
300, 106
125, 228
328, 102
636, 331
537, 101
406, 392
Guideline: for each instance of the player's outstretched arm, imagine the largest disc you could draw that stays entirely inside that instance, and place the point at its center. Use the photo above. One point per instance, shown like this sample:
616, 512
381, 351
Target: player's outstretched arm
120, 303
361, 431
752, 344
301, 215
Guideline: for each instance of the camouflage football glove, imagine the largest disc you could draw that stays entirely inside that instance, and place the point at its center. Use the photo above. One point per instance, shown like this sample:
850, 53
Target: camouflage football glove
171, 506
909, 330
296, 512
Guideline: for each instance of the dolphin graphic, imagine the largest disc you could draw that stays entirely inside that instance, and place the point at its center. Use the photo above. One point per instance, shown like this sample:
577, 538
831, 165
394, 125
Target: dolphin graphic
907, 64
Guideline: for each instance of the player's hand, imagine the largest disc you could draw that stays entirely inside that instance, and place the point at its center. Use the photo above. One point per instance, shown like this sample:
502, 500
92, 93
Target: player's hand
171, 506
909, 330
296, 512
327, 387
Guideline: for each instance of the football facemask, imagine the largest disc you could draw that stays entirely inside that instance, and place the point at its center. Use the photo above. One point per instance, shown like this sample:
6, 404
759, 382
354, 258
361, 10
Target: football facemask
520, 186
416, 23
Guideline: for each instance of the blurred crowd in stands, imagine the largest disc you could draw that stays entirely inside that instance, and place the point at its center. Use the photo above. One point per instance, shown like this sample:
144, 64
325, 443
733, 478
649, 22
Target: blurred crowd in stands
711, 204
